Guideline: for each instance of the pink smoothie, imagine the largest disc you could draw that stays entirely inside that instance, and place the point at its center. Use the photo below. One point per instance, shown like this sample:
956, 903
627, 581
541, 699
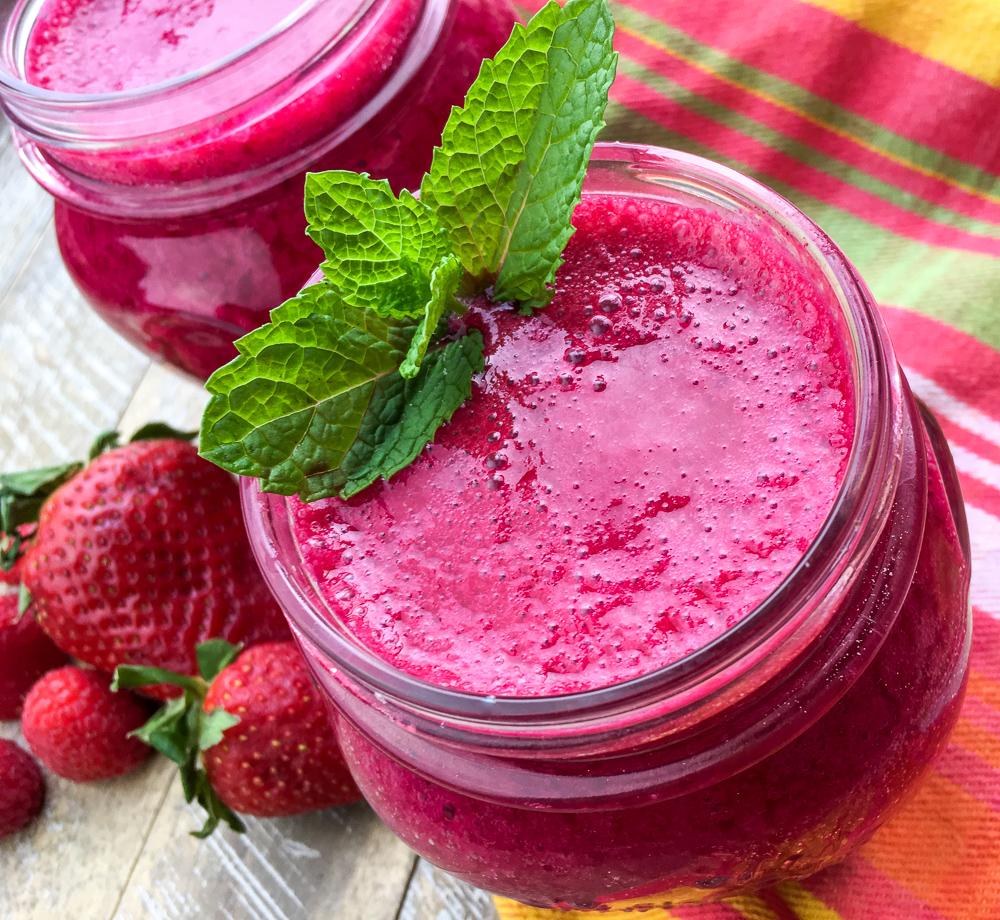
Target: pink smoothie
187, 230
640, 465
103, 46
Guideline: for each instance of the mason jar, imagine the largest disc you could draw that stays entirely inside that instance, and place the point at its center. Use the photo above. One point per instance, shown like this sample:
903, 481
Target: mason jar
766, 754
178, 205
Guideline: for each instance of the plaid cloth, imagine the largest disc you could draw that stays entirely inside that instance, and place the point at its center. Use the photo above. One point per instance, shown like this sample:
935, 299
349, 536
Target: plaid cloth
881, 120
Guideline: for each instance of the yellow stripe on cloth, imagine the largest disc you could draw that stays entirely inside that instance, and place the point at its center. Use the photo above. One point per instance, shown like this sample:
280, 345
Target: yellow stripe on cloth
753, 908
804, 904
512, 910
963, 34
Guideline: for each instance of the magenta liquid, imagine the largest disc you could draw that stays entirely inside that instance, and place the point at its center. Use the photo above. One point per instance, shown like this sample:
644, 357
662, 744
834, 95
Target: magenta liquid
639, 467
183, 238
105, 46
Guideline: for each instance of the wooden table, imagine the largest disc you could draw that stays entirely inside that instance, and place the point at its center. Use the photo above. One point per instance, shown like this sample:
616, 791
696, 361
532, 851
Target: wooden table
122, 849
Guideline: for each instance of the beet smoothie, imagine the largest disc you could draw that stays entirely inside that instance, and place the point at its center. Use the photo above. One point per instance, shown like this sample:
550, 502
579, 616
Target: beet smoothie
640, 466
178, 163
676, 604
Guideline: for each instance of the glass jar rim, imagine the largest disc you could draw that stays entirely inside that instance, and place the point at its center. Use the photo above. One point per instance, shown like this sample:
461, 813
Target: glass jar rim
795, 612
12, 82
51, 128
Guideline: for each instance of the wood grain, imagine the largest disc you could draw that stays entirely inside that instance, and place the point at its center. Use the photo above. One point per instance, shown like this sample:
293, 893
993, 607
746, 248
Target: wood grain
340, 863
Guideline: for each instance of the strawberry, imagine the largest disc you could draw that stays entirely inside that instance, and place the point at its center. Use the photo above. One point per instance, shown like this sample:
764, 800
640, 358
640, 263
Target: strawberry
282, 758
142, 555
79, 729
26, 653
22, 788
264, 733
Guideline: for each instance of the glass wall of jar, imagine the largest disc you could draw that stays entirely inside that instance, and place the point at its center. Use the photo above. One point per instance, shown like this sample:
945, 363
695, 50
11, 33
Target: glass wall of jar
767, 754
178, 197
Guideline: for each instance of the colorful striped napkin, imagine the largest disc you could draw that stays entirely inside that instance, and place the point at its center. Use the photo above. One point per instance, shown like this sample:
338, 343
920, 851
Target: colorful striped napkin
881, 120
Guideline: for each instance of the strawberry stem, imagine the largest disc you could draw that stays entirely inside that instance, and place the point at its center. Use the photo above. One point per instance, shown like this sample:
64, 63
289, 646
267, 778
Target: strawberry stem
181, 730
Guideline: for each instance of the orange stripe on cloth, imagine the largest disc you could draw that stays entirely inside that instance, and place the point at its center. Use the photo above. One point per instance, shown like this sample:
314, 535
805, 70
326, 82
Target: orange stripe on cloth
944, 847
963, 34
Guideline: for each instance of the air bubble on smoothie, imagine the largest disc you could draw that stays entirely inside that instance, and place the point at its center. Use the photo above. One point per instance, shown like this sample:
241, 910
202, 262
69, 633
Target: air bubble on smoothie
610, 302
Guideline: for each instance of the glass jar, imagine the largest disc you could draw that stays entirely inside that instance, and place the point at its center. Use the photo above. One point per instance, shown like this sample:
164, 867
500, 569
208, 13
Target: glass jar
179, 205
765, 755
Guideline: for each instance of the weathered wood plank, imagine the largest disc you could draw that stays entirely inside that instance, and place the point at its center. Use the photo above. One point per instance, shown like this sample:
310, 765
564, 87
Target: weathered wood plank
64, 375
164, 396
26, 210
435, 895
76, 858
341, 864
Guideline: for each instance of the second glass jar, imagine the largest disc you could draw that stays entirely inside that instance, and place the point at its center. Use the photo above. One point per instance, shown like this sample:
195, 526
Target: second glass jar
179, 205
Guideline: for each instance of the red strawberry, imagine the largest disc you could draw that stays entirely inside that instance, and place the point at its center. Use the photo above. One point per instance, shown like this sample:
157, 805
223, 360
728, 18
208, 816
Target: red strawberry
78, 728
282, 758
264, 733
22, 789
26, 653
143, 555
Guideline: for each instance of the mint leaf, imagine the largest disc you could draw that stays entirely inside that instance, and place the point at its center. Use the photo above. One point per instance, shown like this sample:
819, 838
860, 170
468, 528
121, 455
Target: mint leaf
380, 250
406, 413
309, 403
510, 168
444, 282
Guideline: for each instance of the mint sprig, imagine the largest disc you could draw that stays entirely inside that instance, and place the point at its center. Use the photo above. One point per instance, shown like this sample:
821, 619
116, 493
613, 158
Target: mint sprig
510, 168
352, 378
315, 404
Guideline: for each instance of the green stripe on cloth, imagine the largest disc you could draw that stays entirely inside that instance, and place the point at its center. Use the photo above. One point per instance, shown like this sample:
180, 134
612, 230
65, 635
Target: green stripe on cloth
956, 287
860, 129
830, 166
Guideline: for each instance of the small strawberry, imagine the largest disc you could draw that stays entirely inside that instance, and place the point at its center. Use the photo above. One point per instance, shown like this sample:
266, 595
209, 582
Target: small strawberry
22, 788
282, 758
263, 731
26, 653
79, 729
141, 555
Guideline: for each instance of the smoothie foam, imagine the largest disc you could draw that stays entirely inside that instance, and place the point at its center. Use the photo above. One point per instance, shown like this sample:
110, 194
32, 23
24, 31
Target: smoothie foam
104, 46
640, 465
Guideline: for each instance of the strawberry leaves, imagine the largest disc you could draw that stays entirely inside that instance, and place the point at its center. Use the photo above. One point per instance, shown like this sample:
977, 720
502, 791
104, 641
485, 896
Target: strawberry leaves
181, 730
351, 379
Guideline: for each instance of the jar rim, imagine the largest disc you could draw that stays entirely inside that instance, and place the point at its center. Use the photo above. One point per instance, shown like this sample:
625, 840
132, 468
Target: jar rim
795, 612
51, 129
12, 81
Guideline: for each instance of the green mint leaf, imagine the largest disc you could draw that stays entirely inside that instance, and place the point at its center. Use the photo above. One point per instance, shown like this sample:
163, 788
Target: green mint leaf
106, 440
130, 676
310, 402
380, 250
406, 413
214, 655
155, 431
510, 168
212, 727
444, 282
